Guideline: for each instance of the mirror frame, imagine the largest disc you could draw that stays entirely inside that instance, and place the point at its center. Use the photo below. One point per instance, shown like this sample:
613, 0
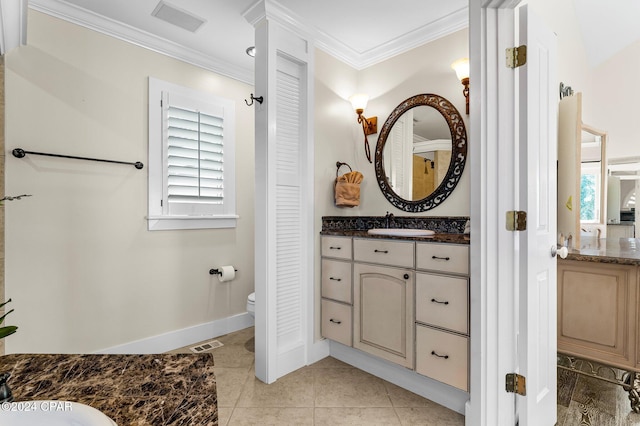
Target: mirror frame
603, 175
458, 153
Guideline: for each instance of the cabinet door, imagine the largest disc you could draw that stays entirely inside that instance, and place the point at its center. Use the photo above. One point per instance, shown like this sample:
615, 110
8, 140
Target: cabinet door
383, 312
336, 322
336, 280
336, 247
443, 356
443, 301
596, 312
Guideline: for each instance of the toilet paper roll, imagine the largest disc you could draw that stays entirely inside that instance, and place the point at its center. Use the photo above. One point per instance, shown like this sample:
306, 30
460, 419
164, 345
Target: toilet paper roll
227, 273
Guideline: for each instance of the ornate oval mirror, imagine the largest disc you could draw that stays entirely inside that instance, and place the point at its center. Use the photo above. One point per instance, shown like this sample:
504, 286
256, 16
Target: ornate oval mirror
419, 156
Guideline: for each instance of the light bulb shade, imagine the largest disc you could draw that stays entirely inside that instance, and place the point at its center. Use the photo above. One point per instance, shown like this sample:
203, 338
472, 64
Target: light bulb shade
359, 101
461, 67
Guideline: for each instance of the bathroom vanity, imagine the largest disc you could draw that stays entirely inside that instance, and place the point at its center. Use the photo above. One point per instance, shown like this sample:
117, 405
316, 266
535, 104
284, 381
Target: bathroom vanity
598, 312
404, 300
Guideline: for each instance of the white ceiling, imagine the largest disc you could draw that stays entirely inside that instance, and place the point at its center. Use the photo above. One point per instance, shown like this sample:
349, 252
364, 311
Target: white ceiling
358, 32
607, 27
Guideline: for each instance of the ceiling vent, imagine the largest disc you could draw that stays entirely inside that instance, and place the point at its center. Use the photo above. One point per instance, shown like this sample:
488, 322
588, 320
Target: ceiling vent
178, 17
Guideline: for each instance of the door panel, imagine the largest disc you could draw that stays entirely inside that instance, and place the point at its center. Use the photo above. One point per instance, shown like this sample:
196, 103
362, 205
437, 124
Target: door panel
538, 106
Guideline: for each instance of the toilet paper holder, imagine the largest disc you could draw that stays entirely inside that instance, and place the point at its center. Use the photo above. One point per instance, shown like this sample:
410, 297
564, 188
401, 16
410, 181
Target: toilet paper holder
216, 271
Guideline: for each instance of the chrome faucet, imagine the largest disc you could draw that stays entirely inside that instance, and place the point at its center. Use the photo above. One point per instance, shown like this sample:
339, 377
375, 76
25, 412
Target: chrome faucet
388, 219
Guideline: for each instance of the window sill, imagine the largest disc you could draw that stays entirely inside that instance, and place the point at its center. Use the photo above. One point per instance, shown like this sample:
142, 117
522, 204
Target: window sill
162, 223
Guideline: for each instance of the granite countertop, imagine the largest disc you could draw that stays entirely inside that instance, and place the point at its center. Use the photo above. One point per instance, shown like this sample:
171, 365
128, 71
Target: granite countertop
133, 390
623, 251
436, 238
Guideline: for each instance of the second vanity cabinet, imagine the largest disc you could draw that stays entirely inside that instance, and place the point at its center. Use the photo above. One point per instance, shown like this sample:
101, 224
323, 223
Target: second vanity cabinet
598, 310
408, 300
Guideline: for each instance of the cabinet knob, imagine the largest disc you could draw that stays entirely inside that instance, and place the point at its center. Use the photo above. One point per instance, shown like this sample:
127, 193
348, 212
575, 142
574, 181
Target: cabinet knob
406, 276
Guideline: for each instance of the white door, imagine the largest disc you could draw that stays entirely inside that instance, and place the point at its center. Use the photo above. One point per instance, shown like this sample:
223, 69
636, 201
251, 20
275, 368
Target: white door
513, 301
538, 106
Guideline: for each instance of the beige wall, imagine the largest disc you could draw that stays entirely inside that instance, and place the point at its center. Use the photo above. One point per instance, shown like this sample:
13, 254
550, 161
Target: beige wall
338, 136
613, 102
82, 269
608, 90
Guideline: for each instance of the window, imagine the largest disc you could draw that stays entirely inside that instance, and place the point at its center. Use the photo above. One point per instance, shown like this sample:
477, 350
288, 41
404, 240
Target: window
191, 159
590, 193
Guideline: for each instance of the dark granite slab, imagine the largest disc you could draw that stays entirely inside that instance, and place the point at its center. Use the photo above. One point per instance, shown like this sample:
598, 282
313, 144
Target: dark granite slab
140, 390
623, 251
436, 238
447, 229
441, 225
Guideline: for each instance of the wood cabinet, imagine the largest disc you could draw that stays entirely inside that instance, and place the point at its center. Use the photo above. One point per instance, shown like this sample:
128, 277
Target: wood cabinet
337, 290
403, 301
442, 313
383, 312
598, 312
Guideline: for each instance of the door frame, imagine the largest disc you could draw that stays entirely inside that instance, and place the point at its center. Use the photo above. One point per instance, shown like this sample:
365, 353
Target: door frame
493, 192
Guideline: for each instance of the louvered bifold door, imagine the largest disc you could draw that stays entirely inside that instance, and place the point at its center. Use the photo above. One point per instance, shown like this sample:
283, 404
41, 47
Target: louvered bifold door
289, 248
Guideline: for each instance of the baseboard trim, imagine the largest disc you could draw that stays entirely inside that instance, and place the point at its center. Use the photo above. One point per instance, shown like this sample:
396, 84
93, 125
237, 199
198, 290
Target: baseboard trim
448, 396
187, 336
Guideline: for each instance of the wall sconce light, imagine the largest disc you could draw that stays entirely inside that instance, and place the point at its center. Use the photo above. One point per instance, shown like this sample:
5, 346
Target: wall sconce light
369, 125
461, 66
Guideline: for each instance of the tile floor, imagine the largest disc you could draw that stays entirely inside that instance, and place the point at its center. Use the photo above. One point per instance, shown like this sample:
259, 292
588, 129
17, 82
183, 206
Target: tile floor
585, 401
331, 392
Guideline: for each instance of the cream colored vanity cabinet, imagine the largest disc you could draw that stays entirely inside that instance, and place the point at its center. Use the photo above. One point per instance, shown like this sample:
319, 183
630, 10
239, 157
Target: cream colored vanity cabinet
442, 312
337, 289
598, 312
383, 305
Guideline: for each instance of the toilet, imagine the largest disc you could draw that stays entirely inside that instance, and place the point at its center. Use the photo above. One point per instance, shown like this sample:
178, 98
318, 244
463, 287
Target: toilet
251, 304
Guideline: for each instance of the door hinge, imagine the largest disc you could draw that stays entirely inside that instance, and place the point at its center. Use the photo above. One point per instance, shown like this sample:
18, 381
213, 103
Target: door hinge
516, 220
516, 56
516, 384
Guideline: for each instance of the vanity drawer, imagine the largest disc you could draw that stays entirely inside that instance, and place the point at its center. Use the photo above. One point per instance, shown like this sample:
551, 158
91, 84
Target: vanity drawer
386, 252
336, 322
336, 280
442, 356
452, 258
443, 301
336, 247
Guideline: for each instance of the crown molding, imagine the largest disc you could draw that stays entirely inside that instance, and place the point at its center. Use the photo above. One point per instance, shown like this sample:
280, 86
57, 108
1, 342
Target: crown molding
101, 24
13, 24
446, 25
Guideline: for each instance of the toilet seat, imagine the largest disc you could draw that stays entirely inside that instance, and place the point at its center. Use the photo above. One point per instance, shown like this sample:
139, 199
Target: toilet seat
251, 304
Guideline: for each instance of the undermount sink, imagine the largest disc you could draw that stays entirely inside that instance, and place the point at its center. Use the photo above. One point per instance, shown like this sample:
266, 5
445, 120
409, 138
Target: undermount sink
52, 413
400, 232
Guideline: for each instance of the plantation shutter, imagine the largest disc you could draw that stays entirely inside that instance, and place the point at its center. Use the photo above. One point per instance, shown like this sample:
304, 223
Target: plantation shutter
191, 159
194, 173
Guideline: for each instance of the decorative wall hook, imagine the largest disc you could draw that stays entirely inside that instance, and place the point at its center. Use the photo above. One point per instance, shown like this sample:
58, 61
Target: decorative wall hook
260, 99
565, 90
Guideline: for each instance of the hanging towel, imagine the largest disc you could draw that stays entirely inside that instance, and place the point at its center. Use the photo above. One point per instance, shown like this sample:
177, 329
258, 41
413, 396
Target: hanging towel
347, 188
